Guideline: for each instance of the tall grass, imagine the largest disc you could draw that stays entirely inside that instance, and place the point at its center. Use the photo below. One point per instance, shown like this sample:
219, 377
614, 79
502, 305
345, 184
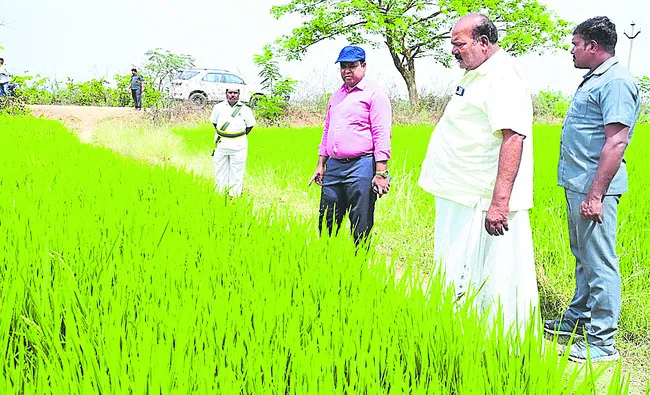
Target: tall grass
556, 264
282, 160
120, 277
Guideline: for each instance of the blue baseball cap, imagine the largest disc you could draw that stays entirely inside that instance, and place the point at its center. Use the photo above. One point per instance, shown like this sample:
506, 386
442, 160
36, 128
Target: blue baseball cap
351, 53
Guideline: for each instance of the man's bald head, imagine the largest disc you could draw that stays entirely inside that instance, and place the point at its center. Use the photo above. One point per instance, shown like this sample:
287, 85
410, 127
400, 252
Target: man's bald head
474, 39
479, 25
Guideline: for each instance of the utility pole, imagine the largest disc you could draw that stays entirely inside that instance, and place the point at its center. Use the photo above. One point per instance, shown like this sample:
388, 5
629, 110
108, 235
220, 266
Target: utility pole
631, 36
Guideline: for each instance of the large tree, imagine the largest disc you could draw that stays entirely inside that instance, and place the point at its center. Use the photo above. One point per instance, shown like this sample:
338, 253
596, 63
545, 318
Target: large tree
413, 29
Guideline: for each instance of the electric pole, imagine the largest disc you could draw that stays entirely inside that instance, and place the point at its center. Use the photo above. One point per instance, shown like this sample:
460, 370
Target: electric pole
631, 36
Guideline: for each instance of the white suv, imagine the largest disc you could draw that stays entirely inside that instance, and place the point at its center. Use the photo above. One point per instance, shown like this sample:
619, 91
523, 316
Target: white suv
202, 86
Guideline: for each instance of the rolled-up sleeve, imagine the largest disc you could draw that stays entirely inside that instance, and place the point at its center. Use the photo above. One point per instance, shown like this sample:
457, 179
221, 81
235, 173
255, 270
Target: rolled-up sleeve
381, 118
322, 148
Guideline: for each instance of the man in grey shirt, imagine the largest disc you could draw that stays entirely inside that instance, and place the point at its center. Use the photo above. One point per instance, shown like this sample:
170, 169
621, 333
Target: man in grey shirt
598, 127
137, 86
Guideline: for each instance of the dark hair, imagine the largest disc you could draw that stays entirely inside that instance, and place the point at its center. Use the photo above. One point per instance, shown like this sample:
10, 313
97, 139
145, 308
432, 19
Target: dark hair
228, 89
485, 27
599, 29
134, 70
3, 59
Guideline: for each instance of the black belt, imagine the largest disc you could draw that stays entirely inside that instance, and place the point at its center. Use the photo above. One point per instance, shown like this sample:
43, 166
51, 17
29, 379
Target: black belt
348, 160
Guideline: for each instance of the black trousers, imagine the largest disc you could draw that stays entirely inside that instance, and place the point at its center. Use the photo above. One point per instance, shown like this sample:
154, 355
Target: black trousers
347, 186
137, 97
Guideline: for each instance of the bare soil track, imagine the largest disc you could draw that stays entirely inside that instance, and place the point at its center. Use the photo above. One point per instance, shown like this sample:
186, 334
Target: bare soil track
85, 119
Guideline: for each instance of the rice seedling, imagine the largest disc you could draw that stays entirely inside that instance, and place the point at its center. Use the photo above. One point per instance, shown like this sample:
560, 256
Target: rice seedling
122, 277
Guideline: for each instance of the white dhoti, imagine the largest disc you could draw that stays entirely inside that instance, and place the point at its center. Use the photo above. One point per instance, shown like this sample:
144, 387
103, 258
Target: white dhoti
229, 165
500, 268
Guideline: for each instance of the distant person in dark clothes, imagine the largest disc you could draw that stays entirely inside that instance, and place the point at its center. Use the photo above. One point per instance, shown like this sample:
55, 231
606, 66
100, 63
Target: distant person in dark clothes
137, 87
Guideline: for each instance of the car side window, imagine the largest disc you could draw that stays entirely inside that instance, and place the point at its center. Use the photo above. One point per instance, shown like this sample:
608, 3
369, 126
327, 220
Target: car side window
233, 79
186, 75
213, 77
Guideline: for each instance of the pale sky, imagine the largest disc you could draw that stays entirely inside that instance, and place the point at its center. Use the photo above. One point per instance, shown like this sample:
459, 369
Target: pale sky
86, 39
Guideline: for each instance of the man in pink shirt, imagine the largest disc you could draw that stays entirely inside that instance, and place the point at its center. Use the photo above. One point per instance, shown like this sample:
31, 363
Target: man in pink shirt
355, 148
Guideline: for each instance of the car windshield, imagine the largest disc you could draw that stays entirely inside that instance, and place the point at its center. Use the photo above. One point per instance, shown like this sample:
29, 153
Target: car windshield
186, 75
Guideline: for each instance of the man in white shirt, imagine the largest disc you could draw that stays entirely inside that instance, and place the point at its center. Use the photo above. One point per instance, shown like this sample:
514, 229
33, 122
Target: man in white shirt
479, 166
5, 77
233, 121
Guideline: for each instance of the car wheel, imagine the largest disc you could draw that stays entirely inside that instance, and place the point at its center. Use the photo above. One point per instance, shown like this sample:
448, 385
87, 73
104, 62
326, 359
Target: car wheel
198, 100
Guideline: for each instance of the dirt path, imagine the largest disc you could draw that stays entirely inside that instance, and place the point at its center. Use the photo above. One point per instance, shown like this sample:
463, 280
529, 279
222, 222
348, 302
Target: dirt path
85, 119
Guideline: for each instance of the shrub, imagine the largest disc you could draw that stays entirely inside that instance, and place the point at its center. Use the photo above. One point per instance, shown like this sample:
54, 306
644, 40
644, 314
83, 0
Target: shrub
13, 106
550, 106
271, 107
96, 92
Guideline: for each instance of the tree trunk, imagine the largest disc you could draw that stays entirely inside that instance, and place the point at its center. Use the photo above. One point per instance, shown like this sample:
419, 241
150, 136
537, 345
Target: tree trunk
409, 78
406, 67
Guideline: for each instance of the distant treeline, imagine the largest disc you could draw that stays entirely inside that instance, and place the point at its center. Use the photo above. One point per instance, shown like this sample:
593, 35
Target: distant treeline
549, 106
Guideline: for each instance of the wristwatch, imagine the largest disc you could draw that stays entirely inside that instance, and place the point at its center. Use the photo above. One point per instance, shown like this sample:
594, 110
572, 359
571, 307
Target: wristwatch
383, 174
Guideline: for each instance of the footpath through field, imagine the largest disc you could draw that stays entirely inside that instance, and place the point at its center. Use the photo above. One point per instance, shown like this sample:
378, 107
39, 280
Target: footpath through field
84, 120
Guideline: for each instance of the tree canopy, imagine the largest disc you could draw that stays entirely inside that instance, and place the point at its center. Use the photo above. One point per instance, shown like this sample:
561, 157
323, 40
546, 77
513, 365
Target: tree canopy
413, 29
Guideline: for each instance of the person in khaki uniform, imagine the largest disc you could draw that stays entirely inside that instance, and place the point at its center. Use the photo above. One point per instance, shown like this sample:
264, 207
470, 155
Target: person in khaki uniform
233, 121
479, 167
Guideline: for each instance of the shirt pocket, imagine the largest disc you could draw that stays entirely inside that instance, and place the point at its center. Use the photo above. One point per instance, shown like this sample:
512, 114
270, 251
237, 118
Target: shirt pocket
579, 104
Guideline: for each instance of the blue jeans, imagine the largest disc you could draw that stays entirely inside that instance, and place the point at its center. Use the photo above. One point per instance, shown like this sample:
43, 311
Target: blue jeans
348, 186
597, 298
4, 89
